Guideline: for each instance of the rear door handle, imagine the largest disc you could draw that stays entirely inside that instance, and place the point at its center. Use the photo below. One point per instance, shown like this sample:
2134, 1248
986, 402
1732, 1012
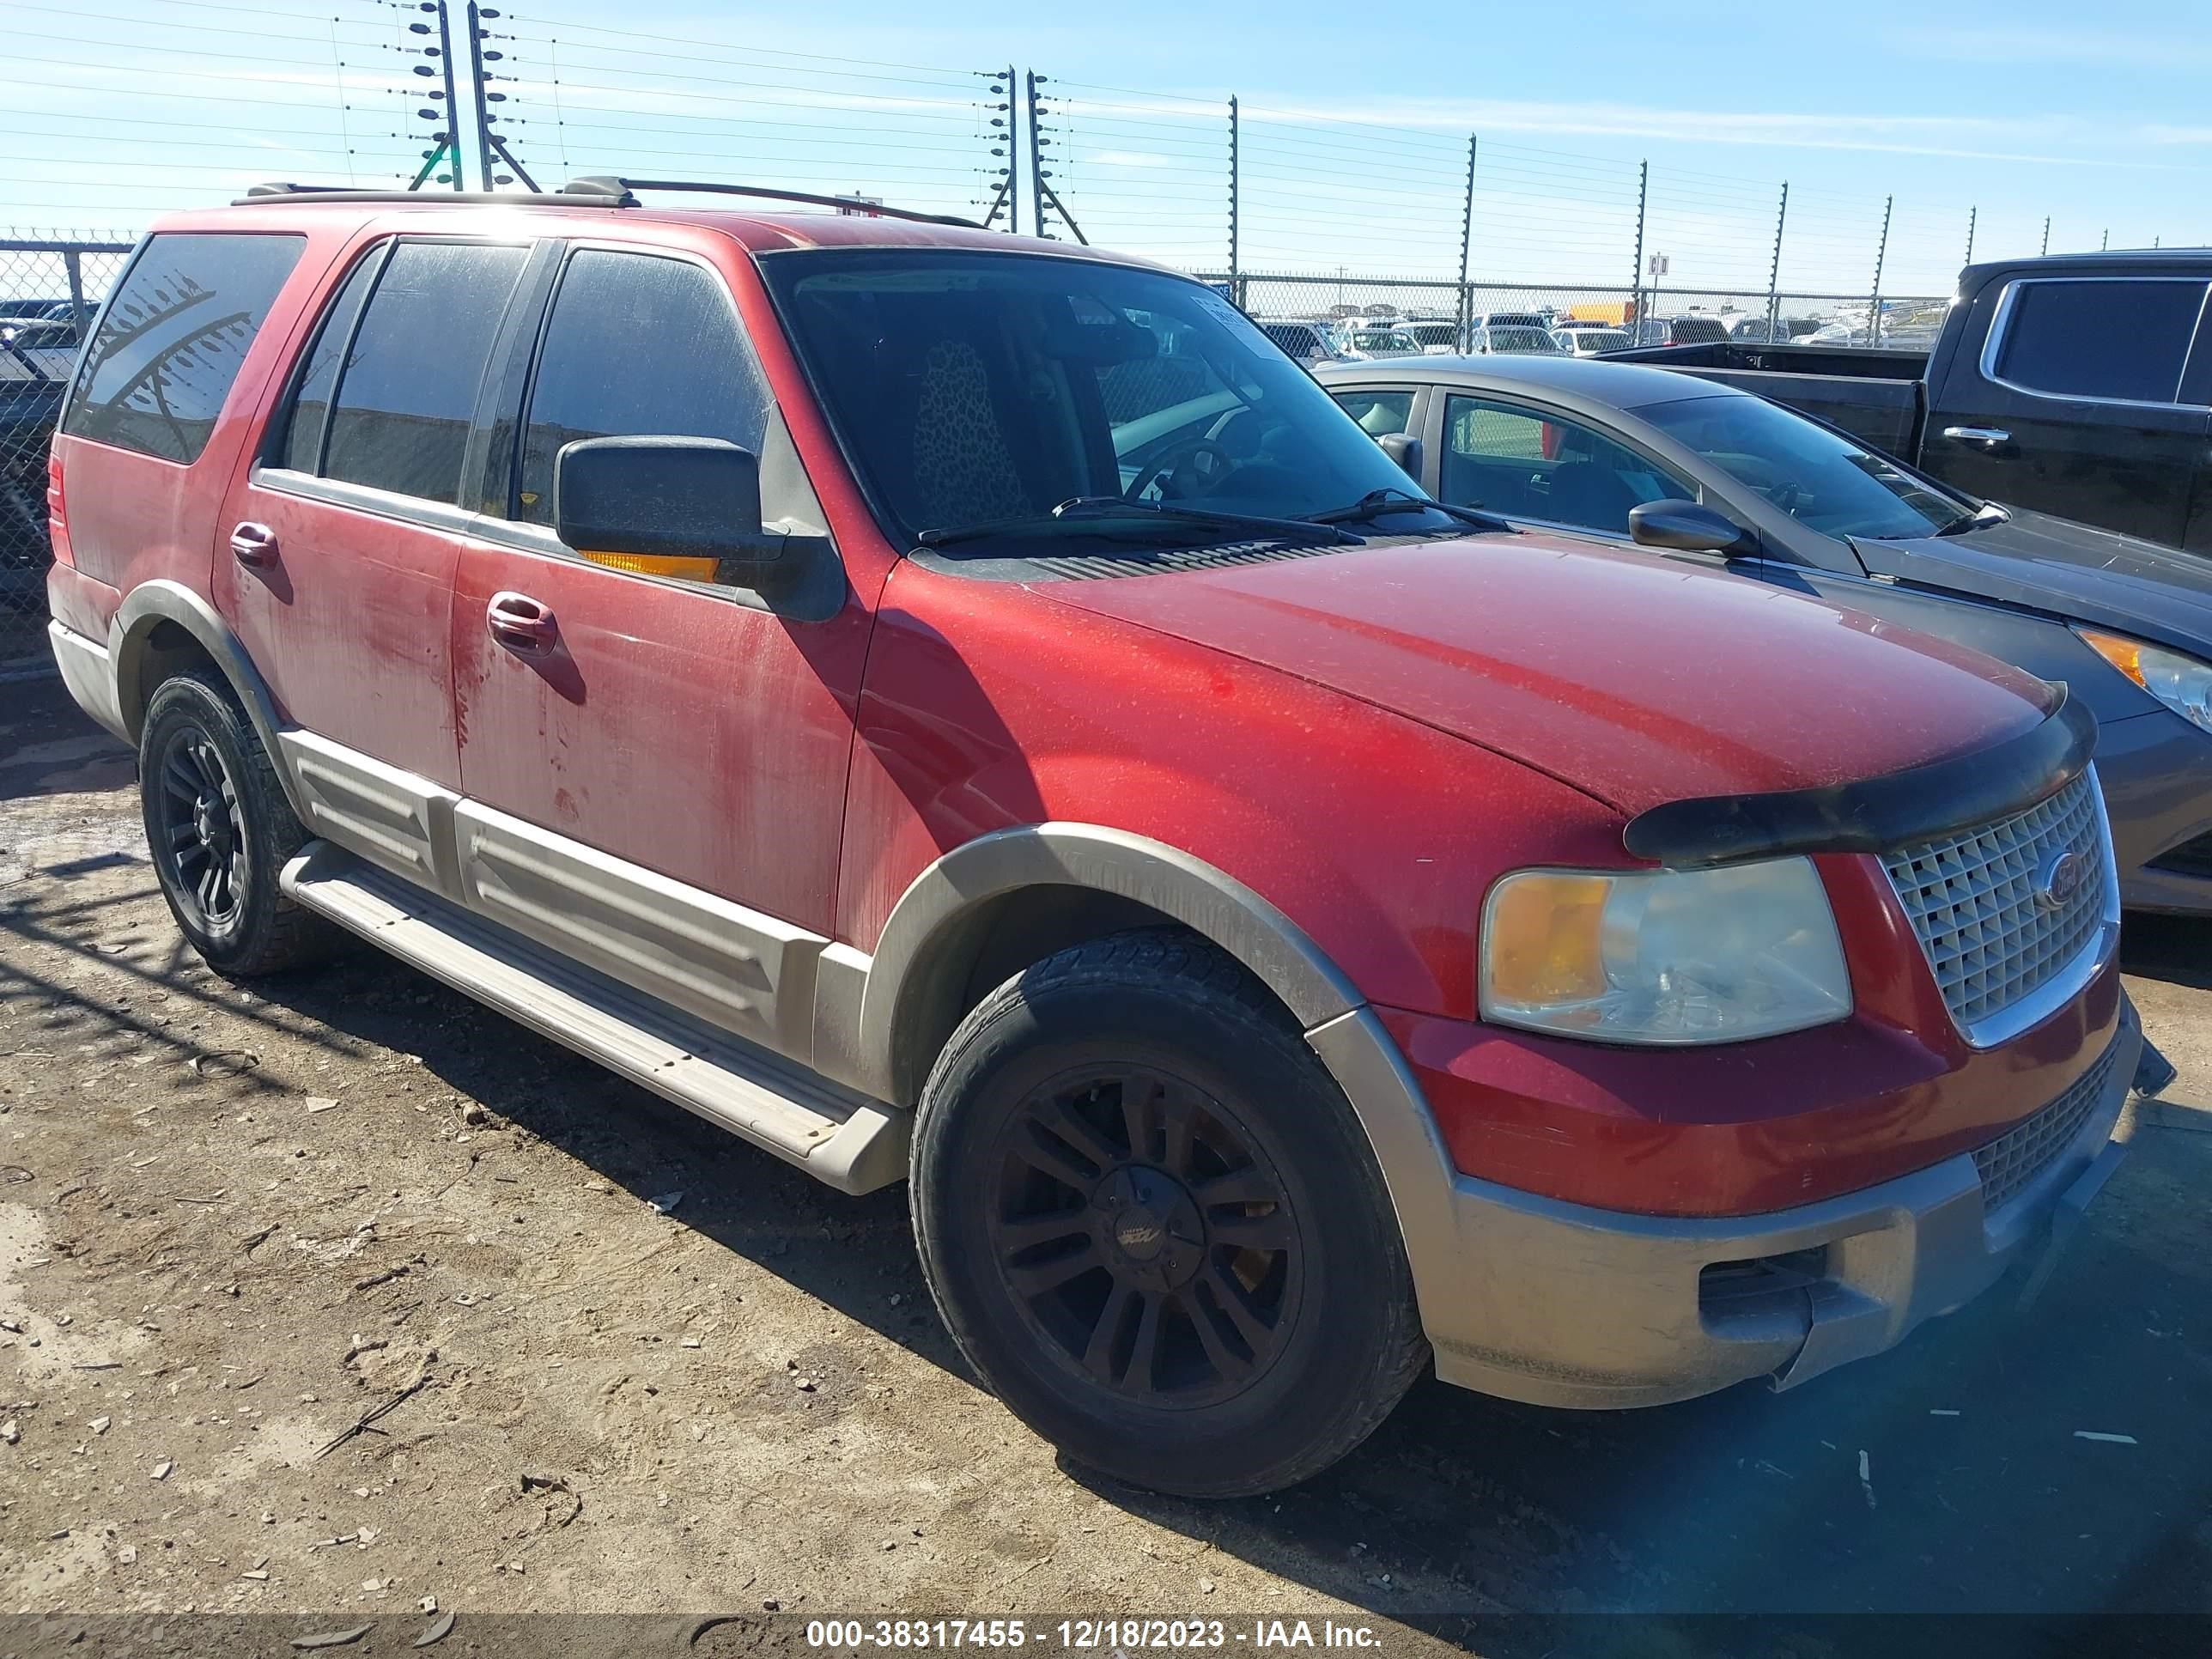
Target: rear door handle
522, 624
253, 546
1988, 436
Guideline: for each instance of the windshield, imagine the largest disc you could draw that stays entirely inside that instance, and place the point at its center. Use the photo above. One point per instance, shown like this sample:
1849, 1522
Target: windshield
975, 389
1820, 477
1436, 333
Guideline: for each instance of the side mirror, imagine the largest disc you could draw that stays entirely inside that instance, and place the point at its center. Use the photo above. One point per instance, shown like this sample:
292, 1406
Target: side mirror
666, 507
1403, 448
1687, 527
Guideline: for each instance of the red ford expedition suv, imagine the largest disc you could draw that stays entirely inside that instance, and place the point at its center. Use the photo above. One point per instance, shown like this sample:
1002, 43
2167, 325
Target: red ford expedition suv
967, 710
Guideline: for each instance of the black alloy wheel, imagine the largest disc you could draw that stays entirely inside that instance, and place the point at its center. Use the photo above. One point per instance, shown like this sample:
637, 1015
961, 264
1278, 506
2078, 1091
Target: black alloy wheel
1154, 1224
1145, 1235
201, 834
219, 828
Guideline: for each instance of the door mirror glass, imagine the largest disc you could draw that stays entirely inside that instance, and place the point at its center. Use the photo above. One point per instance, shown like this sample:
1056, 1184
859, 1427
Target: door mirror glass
689, 507
1687, 527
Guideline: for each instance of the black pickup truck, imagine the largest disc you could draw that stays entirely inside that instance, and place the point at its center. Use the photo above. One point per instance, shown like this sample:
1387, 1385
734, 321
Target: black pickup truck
2080, 385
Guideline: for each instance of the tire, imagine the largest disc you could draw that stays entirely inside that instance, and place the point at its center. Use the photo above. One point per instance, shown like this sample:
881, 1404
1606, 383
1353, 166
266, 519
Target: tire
219, 829
1154, 1227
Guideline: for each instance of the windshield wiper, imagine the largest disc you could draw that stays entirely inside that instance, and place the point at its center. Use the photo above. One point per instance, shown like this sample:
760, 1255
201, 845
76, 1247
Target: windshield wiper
1089, 509
1376, 503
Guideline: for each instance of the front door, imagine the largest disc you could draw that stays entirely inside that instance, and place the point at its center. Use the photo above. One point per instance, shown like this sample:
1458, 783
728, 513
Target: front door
655, 763
2075, 408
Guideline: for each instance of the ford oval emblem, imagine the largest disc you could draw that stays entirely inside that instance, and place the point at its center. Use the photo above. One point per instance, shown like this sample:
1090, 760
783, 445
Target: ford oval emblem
2058, 882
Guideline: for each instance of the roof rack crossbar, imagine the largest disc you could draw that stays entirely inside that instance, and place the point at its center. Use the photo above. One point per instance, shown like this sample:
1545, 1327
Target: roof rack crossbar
604, 185
281, 190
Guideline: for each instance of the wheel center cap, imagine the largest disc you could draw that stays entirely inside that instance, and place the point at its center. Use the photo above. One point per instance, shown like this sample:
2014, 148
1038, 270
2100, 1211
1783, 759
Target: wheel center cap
207, 822
1150, 1222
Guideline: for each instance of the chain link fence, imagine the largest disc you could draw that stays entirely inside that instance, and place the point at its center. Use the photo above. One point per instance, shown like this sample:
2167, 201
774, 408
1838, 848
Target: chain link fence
1351, 315
50, 286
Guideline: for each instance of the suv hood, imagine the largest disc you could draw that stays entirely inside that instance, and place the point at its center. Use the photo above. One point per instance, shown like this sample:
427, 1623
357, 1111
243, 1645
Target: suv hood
1637, 680
2083, 573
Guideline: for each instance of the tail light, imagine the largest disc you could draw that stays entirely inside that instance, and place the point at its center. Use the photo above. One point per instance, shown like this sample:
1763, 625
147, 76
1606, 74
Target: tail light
57, 514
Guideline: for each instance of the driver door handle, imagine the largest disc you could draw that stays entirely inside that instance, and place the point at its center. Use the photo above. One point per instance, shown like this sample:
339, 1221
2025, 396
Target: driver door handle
1988, 436
521, 624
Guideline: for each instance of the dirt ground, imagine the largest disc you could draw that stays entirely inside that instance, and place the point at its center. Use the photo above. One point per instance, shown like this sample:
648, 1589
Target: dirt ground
626, 1365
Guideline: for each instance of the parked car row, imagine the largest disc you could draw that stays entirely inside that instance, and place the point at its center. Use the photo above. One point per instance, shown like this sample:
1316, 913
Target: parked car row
2031, 394
962, 709
1716, 476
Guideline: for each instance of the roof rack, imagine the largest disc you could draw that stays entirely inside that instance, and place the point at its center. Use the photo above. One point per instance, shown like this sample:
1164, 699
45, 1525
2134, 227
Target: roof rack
603, 192
605, 186
276, 191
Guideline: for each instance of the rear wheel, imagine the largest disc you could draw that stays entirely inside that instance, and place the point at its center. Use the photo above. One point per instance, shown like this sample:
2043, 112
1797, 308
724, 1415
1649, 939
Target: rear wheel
219, 829
1153, 1225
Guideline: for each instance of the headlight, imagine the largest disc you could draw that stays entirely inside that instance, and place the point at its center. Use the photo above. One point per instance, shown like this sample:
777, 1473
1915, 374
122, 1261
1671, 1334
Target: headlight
1663, 956
2182, 684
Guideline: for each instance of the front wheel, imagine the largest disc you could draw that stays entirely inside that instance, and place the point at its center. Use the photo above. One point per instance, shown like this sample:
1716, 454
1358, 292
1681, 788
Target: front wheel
1153, 1225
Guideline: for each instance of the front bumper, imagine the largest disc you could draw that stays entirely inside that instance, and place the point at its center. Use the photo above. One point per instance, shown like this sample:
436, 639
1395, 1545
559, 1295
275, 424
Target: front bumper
2156, 773
1560, 1304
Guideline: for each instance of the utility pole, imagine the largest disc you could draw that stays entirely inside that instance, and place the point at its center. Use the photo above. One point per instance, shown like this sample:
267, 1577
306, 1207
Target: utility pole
2104, 242
1774, 271
476, 89
488, 141
1008, 195
2046, 232
1467, 244
1039, 179
448, 142
1972, 213
1036, 158
1236, 282
1881, 254
1643, 191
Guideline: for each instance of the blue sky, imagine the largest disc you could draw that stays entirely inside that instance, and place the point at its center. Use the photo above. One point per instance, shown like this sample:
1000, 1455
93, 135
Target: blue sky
1353, 130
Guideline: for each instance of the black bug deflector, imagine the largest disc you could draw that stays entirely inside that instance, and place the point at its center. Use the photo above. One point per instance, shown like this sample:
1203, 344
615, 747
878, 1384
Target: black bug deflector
1922, 803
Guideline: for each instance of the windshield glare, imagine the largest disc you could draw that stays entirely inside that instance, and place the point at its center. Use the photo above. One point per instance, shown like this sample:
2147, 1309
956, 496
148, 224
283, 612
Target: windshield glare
1818, 477
976, 388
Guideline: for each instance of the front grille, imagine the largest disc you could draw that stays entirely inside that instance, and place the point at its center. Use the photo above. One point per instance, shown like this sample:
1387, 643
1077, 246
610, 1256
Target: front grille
2015, 1158
1971, 899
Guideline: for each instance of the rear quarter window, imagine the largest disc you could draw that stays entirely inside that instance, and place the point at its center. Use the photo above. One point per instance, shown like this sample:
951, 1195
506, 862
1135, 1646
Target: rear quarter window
173, 338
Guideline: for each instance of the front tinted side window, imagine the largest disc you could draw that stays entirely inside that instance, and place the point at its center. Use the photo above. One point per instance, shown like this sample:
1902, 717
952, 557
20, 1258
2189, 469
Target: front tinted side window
1527, 465
174, 336
407, 389
311, 403
2101, 339
638, 346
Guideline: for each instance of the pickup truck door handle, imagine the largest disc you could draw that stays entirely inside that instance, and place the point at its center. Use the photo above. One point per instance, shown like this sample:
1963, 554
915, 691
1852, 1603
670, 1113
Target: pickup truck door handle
522, 624
253, 546
1989, 437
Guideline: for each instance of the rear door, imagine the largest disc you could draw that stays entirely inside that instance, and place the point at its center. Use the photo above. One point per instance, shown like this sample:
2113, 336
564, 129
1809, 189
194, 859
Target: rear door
657, 779
343, 532
2075, 405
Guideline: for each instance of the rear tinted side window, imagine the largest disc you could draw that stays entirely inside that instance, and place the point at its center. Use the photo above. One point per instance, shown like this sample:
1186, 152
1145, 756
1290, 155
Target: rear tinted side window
174, 335
311, 404
638, 345
407, 391
2100, 339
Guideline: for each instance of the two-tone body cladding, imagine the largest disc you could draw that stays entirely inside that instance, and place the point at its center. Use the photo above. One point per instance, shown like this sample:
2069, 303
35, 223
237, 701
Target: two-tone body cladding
952, 707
